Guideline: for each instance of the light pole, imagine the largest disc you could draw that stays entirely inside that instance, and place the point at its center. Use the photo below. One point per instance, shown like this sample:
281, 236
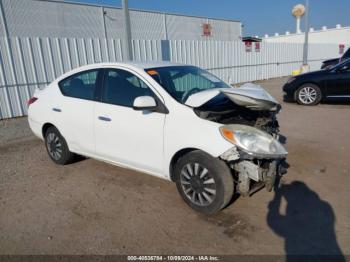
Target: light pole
305, 66
127, 30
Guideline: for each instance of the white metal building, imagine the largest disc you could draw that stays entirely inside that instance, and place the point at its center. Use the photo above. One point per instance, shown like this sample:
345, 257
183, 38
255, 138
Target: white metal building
337, 35
54, 18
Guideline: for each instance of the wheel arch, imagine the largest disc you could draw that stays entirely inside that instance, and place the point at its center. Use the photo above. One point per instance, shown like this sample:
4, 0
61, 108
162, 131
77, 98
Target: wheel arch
176, 158
45, 127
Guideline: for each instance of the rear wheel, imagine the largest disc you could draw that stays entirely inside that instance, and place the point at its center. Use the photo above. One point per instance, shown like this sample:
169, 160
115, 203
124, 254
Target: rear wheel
308, 94
57, 147
204, 182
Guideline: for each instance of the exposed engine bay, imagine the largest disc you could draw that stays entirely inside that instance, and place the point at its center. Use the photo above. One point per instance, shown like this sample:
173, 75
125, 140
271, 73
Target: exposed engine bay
252, 106
237, 106
222, 110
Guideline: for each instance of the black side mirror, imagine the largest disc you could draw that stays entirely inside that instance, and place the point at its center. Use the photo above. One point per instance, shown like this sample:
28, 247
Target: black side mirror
343, 69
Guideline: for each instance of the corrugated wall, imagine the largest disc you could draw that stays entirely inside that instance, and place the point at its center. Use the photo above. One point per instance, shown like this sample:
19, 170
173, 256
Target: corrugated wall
29, 63
52, 19
230, 62
34, 18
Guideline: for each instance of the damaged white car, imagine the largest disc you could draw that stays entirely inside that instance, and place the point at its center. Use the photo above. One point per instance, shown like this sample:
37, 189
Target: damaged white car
177, 122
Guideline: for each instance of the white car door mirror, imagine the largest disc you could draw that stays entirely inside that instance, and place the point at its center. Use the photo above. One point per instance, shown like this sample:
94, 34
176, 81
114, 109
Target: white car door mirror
144, 103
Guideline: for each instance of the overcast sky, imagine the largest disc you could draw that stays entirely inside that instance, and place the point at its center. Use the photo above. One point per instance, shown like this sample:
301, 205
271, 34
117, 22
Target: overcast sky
258, 16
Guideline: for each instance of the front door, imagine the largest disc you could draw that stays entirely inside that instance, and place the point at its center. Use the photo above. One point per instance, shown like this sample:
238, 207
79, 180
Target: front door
124, 135
338, 84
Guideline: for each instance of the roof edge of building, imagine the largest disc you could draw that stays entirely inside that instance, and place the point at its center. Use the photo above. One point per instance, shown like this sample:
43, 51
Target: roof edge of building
133, 9
310, 32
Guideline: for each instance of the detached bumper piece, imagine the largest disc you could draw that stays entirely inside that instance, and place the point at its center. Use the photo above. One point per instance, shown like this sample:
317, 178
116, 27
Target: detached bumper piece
252, 177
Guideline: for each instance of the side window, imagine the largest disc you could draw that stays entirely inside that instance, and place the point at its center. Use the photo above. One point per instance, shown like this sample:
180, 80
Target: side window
122, 87
81, 85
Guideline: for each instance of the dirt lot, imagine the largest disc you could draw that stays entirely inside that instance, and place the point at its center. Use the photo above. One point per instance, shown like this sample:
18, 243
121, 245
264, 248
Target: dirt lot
90, 207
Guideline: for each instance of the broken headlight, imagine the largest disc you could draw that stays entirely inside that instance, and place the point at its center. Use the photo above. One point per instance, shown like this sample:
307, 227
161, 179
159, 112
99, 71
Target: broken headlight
253, 141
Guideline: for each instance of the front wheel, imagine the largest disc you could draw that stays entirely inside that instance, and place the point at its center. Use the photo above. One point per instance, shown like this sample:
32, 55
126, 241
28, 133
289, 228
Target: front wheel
205, 183
308, 95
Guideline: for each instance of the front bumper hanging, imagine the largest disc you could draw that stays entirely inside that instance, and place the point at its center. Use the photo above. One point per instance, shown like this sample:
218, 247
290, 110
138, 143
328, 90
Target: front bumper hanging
251, 177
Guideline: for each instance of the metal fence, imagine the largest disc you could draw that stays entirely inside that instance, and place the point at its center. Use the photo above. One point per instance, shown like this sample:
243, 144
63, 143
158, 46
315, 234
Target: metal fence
29, 63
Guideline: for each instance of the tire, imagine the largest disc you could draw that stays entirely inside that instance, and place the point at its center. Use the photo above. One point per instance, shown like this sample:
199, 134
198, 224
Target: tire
308, 95
57, 147
205, 183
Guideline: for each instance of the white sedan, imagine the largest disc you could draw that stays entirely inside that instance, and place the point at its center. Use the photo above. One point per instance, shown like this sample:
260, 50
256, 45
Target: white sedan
173, 121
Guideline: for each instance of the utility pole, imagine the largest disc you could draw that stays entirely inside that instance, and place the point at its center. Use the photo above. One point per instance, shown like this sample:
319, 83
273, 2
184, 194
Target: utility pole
305, 66
127, 30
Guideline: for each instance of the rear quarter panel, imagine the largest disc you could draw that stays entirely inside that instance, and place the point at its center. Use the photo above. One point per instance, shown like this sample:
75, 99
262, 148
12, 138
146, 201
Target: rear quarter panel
41, 111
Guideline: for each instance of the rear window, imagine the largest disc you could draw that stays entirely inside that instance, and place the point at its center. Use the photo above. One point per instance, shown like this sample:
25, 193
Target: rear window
81, 85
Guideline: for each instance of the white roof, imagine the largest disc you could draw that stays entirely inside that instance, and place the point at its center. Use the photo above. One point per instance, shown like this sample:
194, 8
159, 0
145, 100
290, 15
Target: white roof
152, 64
128, 64
141, 65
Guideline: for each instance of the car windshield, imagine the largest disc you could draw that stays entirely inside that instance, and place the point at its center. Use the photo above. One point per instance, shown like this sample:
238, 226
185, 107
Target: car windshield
339, 65
183, 81
346, 54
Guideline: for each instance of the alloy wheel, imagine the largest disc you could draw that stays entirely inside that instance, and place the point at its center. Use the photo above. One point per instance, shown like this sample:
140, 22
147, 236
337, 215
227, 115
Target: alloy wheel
197, 184
54, 146
307, 95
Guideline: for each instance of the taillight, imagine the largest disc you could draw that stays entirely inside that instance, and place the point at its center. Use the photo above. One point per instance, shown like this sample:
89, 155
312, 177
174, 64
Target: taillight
31, 101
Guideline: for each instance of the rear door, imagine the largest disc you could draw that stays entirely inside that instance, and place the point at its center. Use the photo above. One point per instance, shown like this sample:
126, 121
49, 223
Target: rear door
77, 108
124, 135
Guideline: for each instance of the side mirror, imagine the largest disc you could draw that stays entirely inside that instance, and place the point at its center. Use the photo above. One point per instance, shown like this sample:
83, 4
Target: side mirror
144, 103
343, 69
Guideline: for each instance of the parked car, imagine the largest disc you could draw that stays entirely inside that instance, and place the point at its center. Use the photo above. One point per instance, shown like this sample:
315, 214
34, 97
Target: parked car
332, 62
313, 87
176, 122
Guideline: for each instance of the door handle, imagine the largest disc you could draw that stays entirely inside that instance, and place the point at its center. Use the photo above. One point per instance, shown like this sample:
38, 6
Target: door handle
103, 118
56, 109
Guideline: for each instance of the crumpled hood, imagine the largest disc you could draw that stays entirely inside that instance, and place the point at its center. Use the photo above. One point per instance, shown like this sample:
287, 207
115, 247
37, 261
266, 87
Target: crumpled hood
249, 95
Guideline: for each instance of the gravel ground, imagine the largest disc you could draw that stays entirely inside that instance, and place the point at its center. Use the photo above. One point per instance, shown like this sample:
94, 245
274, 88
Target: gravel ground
91, 207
